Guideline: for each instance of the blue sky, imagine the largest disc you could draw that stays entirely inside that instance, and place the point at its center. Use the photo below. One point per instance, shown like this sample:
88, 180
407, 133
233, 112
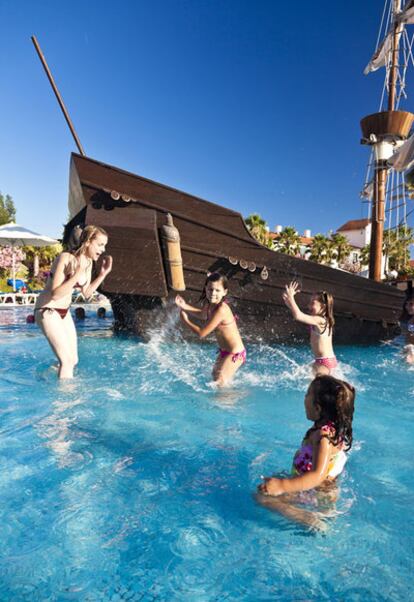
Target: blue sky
251, 104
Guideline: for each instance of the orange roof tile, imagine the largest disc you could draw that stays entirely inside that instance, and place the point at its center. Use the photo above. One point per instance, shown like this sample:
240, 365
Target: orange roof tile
354, 224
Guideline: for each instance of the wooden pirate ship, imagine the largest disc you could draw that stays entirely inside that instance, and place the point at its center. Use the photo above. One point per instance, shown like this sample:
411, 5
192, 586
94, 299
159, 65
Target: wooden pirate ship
146, 272
163, 240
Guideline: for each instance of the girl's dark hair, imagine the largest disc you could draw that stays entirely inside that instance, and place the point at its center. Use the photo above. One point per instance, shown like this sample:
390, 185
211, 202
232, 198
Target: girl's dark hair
326, 300
336, 399
214, 277
405, 316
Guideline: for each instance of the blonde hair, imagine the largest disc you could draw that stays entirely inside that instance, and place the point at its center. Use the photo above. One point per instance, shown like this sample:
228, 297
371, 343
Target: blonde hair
88, 234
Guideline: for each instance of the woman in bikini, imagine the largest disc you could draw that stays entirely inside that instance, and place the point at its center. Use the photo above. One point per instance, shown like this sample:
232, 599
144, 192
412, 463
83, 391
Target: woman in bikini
321, 322
69, 271
220, 319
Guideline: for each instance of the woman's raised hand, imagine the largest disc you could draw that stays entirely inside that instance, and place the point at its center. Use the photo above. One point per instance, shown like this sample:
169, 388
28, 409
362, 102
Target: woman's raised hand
106, 266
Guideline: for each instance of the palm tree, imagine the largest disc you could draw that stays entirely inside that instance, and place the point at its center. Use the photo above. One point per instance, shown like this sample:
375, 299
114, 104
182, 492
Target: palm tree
364, 255
288, 241
397, 247
321, 249
258, 229
342, 247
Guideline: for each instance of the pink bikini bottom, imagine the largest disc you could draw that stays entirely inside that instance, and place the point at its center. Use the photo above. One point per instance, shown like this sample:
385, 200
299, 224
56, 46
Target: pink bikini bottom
328, 362
241, 355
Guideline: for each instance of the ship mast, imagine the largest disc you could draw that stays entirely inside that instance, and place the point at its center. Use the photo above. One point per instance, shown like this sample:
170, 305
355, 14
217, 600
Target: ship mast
382, 130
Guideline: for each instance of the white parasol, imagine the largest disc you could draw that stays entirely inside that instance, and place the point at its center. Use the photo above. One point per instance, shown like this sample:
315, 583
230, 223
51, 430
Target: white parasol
14, 235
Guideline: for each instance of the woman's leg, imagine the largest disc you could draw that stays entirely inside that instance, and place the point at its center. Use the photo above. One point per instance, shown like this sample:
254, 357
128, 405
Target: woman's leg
56, 332
225, 369
72, 337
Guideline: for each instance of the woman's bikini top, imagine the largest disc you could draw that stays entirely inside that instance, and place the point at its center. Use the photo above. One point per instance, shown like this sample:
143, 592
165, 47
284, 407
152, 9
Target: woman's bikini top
68, 277
410, 327
302, 462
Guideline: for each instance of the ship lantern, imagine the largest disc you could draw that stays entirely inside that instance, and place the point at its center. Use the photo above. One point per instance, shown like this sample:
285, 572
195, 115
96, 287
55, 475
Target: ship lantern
172, 254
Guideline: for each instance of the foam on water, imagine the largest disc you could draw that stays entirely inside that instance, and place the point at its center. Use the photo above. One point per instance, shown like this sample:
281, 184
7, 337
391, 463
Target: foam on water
135, 480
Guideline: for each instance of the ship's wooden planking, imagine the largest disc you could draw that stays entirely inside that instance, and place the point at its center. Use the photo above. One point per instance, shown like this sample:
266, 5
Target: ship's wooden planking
132, 209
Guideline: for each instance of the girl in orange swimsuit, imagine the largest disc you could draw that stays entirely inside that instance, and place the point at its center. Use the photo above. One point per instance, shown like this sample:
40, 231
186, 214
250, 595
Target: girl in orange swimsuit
321, 322
69, 271
329, 404
221, 320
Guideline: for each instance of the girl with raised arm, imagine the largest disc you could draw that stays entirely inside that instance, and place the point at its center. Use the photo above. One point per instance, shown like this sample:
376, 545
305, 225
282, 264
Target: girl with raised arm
321, 322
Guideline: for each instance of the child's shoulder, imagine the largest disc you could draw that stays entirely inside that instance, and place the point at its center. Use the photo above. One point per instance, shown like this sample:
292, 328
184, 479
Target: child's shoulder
316, 433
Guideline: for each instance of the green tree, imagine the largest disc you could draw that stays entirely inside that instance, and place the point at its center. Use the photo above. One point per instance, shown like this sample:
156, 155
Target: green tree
321, 250
7, 209
45, 256
396, 248
364, 255
288, 241
258, 229
342, 248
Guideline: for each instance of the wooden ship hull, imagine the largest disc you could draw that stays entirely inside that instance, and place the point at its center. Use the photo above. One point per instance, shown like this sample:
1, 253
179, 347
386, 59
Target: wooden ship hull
133, 209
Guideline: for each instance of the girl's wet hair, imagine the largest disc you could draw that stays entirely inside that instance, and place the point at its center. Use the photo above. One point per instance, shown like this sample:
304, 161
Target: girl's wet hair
336, 399
214, 277
405, 316
88, 234
326, 300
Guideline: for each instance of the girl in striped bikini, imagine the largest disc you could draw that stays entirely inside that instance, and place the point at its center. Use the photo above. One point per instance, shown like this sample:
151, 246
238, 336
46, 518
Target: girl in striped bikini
221, 320
69, 271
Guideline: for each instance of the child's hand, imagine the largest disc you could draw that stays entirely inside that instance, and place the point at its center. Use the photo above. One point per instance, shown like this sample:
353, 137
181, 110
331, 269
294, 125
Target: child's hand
271, 486
290, 291
179, 301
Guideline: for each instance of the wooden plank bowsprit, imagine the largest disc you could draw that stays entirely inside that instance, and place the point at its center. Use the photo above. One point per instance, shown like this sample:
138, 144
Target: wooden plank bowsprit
133, 208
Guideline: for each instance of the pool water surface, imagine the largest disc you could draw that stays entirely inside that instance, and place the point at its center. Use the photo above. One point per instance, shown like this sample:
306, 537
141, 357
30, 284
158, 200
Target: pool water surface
135, 480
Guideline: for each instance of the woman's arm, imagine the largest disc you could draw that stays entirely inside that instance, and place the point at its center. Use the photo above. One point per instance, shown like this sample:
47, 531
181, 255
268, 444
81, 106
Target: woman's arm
106, 267
204, 331
289, 298
308, 480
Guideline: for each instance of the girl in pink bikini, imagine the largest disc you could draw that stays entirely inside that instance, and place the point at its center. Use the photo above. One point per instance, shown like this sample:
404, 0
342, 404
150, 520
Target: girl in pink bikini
221, 320
321, 322
329, 404
69, 271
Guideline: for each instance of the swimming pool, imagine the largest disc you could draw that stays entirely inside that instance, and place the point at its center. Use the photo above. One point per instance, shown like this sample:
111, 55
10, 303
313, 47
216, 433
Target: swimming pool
135, 481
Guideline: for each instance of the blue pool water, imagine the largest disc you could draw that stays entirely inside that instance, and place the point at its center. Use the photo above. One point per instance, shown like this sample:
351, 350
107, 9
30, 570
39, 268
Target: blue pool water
135, 481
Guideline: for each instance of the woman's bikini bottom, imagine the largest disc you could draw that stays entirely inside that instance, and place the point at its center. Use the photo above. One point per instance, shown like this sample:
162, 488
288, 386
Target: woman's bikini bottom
61, 311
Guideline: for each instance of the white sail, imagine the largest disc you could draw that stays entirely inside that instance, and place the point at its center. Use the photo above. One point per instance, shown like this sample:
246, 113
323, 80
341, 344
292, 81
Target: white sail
368, 191
379, 58
406, 17
403, 158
